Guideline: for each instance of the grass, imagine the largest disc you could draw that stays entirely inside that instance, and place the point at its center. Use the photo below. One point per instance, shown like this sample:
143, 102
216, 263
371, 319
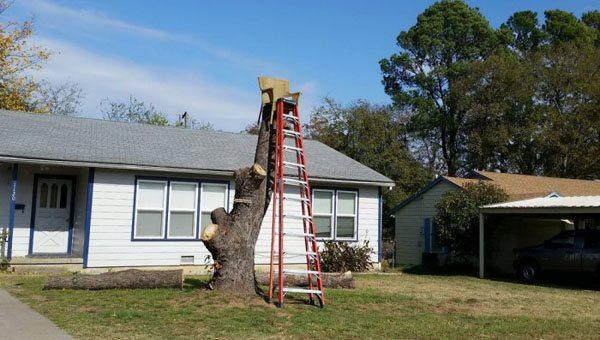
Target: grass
382, 306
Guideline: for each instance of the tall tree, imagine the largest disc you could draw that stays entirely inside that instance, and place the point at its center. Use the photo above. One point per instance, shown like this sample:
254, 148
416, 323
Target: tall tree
19, 57
534, 108
57, 99
434, 53
133, 111
374, 135
525, 30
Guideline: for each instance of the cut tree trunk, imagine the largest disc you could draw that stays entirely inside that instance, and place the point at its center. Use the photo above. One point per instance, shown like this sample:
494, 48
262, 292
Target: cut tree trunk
231, 238
126, 279
330, 280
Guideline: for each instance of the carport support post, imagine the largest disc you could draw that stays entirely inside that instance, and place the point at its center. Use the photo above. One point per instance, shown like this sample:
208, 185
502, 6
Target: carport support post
481, 249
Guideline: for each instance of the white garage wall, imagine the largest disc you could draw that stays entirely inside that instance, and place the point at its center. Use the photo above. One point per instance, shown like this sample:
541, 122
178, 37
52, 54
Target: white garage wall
110, 242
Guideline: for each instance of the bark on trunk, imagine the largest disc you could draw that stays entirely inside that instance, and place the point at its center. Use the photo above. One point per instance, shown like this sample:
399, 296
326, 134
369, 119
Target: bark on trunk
127, 279
231, 238
330, 280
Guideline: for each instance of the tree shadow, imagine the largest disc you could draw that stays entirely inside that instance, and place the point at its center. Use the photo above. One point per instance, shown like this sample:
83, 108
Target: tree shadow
196, 283
573, 281
570, 281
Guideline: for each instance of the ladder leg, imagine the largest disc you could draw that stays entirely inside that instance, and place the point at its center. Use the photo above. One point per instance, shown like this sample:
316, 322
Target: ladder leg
273, 230
304, 174
280, 107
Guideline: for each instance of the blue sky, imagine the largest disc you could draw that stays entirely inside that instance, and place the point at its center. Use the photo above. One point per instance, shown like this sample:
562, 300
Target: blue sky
204, 56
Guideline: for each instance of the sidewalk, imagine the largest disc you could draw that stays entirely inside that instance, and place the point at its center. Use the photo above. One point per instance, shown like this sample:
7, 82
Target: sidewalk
18, 321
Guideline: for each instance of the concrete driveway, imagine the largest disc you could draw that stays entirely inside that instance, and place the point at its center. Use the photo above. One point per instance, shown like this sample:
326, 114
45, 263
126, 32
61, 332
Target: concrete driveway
18, 321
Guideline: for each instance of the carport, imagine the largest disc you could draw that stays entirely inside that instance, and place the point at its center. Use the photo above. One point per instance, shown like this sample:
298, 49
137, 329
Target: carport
583, 211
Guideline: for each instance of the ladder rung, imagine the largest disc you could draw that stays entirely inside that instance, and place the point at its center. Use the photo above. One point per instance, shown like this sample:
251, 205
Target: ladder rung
300, 290
296, 199
300, 272
291, 133
294, 181
309, 253
298, 235
292, 164
299, 217
292, 148
291, 117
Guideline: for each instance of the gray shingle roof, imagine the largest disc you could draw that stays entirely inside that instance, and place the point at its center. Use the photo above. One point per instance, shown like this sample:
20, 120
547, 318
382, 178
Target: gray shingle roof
46, 137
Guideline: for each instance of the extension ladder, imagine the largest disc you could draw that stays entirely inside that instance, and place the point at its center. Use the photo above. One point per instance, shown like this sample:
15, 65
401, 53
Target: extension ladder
290, 143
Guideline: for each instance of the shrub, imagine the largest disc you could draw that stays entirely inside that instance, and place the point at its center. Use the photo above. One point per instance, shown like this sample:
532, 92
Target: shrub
342, 257
457, 219
4, 263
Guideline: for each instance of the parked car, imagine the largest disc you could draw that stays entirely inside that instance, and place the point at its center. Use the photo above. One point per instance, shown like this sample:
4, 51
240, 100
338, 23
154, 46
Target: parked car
573, 251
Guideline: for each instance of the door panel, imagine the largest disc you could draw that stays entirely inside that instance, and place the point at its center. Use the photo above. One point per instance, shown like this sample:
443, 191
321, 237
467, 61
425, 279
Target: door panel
52, 216
561, 253
590, 256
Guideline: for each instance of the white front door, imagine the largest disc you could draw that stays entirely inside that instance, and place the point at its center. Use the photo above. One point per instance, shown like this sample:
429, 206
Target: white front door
52, 216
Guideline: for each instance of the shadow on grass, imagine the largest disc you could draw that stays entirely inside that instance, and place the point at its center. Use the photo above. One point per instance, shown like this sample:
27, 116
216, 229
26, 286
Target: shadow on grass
196, 283
572, 281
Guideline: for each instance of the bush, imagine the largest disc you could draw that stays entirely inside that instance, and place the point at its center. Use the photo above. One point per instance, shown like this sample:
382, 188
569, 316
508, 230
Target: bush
341, 257
457, 219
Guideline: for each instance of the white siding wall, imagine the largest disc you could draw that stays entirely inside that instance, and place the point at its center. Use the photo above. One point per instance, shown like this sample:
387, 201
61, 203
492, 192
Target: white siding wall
409, 223
111, 224
25, 196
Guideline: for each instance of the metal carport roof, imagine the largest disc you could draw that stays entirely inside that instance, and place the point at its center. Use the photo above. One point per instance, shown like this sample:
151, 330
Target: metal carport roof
548, 206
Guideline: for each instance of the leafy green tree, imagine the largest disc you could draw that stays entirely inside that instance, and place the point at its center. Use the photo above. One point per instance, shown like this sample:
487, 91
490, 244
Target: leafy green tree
526, 33
563, 27
457, 218
534, 108
19, 56
133, 111
434, 54
374, 135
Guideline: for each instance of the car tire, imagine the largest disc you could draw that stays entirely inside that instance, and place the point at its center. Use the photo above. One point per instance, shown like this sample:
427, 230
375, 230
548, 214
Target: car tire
528, 272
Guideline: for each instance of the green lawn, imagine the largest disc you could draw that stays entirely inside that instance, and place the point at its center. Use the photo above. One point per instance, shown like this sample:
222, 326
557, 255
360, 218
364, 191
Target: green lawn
382, 306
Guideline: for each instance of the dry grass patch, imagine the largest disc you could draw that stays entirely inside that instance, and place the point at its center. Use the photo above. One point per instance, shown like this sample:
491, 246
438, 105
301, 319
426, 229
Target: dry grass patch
487, 297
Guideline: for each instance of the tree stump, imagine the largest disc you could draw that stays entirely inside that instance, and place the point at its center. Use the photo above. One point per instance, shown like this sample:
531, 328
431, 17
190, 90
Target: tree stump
231, 239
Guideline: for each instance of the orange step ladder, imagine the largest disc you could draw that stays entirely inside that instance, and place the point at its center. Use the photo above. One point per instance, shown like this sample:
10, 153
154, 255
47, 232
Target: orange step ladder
290, 155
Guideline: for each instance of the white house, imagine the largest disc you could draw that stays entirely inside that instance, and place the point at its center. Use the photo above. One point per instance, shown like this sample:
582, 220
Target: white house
109, 194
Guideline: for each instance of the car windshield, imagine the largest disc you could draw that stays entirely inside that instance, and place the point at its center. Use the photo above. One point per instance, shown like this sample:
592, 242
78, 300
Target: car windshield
566, 240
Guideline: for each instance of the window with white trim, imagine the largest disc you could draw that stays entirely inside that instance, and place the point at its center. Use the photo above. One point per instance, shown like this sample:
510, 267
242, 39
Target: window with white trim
150, 209
345, 214
335, 214
323, 212
182, 210
214, 195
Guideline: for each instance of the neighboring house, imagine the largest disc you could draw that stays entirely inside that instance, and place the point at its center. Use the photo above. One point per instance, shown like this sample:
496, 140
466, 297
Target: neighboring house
415, 231
111, 194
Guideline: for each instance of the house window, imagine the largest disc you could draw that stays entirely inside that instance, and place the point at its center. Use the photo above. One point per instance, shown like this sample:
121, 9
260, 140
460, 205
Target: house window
150, 209
323, 212
174, 209
214, 195
335, 213
53, 195
345, 225
44, 196
182, 210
